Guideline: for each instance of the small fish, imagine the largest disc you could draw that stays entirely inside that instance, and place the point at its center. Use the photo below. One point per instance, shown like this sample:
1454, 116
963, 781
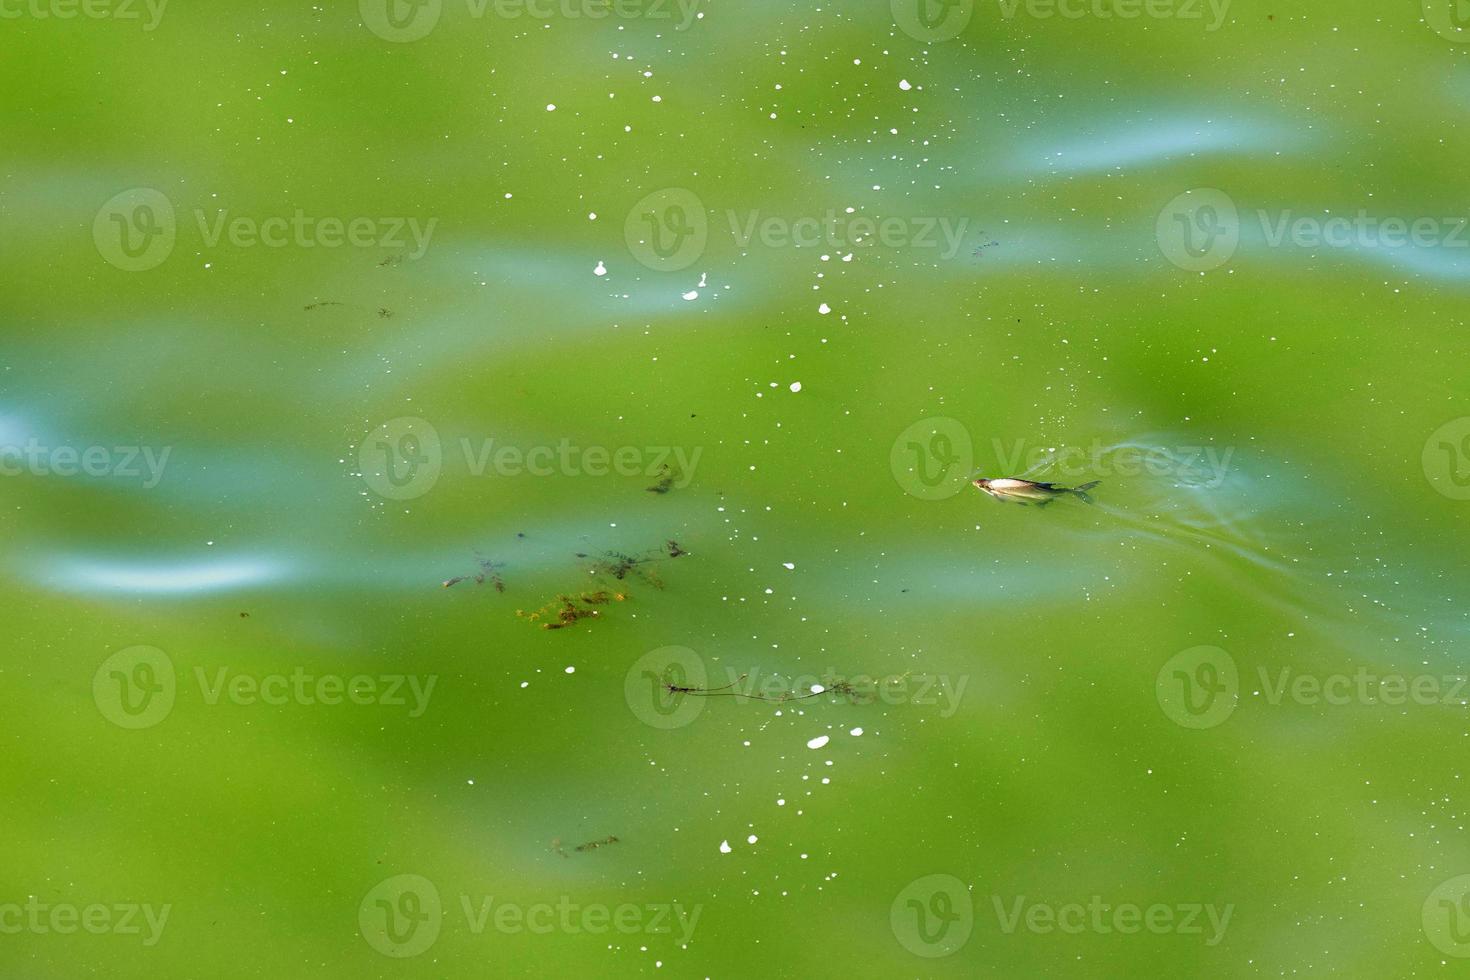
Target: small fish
1027, 492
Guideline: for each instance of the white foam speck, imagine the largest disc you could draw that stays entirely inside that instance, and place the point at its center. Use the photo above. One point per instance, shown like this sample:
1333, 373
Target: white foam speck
551, 107
817, 689
724, 847
571, 670
904, 84
856, 731
796, 386
692, 294
601, 269
751, 839
787, 564
818, 742
824, 309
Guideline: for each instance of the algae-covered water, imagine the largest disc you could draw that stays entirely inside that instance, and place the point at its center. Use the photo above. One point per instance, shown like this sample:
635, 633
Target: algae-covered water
484, 488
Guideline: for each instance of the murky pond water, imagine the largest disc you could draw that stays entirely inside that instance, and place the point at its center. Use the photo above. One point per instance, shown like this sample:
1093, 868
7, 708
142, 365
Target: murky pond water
485, 489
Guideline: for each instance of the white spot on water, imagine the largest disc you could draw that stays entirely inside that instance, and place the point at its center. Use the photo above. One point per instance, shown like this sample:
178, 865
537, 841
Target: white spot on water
601, 269
824, 309
904, 84
856, 731
796, 386
818, 742
724, 847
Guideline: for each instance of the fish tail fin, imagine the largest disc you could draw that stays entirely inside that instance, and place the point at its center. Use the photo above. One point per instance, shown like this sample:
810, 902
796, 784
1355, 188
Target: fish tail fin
1082, 490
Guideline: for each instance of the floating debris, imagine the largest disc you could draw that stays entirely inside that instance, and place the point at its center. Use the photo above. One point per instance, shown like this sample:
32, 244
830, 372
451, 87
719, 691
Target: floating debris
383, 312
488, 570
989, 244
841, 688
665, 484
591, 845
567, 610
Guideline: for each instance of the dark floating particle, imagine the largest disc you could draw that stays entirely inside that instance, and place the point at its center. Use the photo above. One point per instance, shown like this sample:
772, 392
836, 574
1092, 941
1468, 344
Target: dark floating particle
591, 845
665, 483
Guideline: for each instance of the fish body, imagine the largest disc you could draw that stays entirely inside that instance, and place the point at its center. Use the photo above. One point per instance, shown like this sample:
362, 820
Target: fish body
1030, 492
